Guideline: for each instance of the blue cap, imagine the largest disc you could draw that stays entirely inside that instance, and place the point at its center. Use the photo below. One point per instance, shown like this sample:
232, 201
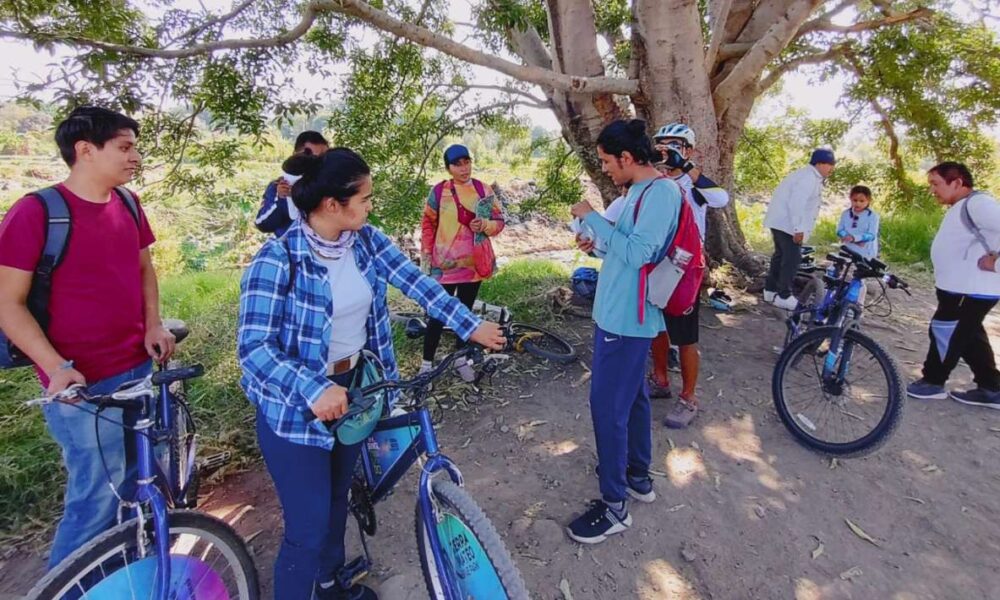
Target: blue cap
822, 155
454, 153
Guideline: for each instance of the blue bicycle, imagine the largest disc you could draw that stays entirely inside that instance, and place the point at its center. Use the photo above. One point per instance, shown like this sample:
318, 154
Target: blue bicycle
835, 388
164, 550
461, 554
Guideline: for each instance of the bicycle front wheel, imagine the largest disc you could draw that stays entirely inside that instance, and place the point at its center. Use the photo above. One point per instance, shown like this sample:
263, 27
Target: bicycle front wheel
477, 563
208, 561
542, 343
850, 412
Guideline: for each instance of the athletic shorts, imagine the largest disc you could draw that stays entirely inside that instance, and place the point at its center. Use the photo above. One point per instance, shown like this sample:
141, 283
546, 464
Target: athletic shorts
683, 330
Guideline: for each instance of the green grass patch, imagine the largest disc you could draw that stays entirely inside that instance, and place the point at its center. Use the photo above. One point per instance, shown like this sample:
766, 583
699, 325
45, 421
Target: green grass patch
905, 237
751, 217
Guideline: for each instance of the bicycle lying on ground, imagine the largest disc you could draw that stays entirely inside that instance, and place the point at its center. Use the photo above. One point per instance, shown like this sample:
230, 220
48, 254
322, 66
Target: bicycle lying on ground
461, 554
163, 551
860, 395
522, 337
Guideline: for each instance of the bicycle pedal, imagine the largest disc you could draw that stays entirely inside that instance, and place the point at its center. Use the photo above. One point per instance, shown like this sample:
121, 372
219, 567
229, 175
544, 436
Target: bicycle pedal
354, 571
214, 462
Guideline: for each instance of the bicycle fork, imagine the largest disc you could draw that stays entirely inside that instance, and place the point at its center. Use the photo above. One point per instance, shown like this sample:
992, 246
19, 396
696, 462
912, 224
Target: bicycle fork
836, 364
148, 493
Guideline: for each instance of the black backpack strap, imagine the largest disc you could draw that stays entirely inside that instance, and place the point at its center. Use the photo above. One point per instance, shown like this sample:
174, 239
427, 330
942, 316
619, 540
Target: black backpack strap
129, 199
58, 227
57, 230
291, 266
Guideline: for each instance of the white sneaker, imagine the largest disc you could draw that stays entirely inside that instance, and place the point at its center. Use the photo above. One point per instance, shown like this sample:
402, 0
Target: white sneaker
425, 369
769, 296
789, 303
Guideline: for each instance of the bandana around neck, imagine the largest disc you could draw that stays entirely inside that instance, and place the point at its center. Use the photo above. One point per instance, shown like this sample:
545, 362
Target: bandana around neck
332, 250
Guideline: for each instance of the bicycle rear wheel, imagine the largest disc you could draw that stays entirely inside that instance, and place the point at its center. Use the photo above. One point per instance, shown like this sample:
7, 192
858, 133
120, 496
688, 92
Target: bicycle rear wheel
478, 564
850, 414
208, 561
542, 343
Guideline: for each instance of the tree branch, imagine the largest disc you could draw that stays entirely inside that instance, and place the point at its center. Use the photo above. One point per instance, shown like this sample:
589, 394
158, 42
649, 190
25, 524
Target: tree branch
425, 37
219, 20
766, 49
718, 24
776, 73
376, 18
733, 50
308, 17
890, 131
500, 88
824, 24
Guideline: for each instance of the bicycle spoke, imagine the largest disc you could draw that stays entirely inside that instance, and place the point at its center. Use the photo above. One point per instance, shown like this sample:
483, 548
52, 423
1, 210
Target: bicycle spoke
841, 417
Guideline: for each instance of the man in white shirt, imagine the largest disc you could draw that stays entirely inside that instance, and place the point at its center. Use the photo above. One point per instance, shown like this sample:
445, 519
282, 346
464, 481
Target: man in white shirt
791, 217
964, 255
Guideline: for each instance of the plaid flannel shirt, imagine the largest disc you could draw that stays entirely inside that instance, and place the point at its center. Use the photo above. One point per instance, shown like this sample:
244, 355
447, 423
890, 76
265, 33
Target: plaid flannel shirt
285, 330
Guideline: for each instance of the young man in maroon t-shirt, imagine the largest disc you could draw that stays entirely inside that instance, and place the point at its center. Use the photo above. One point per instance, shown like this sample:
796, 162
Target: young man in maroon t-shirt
104, 309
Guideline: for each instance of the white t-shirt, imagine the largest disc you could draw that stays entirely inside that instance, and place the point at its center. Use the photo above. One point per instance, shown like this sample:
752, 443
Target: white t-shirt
352, 301
955, 251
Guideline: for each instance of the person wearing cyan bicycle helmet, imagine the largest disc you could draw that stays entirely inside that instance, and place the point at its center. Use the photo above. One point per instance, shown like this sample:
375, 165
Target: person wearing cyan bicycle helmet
676, 142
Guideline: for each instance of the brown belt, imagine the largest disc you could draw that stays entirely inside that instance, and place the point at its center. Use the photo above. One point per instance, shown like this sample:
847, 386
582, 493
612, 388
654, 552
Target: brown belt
343, 365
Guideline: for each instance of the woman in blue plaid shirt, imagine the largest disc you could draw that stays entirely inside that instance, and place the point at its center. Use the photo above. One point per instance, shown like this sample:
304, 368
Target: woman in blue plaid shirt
311, 302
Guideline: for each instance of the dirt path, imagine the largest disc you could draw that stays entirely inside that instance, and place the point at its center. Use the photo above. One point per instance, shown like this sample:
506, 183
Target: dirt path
743, 511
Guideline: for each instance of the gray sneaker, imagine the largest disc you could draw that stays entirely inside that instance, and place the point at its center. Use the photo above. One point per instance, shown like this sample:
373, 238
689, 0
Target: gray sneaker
923, 390
978, 397
658, 391
682, 414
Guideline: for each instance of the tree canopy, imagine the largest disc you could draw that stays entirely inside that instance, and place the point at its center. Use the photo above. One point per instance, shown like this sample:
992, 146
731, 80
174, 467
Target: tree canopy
923, 71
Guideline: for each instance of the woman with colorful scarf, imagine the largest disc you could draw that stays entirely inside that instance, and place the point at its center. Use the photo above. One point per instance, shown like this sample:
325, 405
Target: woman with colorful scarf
460, 217
313, 318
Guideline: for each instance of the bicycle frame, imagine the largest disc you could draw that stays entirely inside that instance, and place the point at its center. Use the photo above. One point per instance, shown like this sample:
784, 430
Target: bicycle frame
148, 492
393, 447
154, 488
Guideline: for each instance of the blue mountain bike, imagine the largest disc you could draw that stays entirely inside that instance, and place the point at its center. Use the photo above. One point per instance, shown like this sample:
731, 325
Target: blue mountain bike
461, 554
163, 550
835, 388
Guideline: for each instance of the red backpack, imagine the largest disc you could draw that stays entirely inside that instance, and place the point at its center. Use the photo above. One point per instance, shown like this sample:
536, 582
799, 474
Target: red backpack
687, 237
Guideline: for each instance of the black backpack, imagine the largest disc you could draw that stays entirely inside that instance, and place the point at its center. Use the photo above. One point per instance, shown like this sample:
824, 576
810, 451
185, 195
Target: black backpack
58, 227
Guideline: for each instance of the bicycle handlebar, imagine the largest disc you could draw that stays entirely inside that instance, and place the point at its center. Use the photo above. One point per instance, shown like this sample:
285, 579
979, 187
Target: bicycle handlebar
871, 267
128, 394
362, 399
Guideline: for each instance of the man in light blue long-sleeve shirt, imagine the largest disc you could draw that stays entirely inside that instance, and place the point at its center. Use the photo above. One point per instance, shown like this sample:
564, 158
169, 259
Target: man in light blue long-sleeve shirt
626, 324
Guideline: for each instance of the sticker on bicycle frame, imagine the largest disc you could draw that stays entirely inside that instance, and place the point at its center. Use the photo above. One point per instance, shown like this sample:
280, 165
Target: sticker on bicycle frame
385, 447
475, 576
190, 579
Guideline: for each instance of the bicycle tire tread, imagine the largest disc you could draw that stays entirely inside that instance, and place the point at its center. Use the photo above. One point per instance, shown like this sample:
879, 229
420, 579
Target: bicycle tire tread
564, 358
883, 430
486, 534
59, 577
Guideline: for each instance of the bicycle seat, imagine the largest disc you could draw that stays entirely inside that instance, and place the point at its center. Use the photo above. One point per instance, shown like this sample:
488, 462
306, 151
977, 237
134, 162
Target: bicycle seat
177, 327
807, 250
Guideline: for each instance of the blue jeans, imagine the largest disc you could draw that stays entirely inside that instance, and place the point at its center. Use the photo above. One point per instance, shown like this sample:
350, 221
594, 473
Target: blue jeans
90, 505
619, 406
312, 485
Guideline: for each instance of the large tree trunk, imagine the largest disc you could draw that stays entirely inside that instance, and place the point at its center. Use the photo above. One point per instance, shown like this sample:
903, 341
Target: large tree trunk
582, 116
675, 84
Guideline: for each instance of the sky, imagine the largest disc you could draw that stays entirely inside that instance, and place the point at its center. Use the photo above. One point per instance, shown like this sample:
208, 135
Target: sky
800, 90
